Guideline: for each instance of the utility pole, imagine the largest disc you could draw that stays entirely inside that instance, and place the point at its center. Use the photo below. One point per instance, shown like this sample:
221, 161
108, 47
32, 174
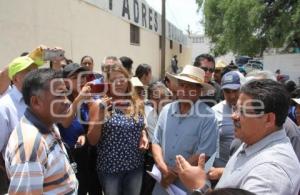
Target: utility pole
163, 39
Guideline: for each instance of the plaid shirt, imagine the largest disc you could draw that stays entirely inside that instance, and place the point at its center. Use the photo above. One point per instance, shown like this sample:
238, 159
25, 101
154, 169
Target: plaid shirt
36, 160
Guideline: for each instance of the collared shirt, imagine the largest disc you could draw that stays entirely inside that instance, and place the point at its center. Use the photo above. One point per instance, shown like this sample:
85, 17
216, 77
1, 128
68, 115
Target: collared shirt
12, 108
151, 118
292, 132
187, 135
226, 129
36, 160
269, 166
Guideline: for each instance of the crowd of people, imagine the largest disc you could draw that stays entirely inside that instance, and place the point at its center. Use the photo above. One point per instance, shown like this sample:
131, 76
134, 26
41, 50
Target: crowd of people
68, 129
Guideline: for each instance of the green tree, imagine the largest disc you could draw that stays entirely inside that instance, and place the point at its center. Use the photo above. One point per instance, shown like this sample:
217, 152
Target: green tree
248, 27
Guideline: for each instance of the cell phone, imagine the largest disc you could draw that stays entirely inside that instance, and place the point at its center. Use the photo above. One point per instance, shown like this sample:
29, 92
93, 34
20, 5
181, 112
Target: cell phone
49, 54
100, 88
90, 77
77, 145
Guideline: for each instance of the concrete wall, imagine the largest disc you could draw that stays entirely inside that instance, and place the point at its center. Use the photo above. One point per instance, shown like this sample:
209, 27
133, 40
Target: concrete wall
183, 58
289, 64
200, 45
78, 27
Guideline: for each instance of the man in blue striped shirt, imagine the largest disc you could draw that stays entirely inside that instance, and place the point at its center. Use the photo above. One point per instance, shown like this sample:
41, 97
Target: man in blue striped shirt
36, 159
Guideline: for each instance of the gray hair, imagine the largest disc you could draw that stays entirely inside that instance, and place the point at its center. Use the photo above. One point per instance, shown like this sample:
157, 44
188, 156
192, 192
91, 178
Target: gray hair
158, 85
38, 81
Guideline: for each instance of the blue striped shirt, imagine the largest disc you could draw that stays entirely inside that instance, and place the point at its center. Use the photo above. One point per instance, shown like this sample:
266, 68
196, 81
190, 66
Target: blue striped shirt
36, 160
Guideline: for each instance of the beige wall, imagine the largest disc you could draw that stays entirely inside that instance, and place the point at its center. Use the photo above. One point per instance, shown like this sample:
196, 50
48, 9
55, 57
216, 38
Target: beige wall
183, 58
81, 29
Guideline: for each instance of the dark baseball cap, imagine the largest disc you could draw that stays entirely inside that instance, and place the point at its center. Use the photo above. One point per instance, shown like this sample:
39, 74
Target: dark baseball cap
73, 68
231, 80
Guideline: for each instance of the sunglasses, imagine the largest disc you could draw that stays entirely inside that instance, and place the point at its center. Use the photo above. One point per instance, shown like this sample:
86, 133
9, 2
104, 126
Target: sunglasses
211, 70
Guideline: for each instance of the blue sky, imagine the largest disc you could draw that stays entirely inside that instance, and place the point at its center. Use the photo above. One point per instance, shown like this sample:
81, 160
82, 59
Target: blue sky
181, 13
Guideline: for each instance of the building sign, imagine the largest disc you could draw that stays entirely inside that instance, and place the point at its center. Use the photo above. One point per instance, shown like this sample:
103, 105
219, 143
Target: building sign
138, 12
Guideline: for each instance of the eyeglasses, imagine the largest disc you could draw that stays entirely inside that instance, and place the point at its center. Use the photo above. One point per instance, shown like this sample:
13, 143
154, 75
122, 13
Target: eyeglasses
241, 111
106, 68
211, 70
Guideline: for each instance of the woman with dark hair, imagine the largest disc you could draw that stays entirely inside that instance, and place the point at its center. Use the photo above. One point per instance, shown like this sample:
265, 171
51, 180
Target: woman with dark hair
159, 95
144, 73
127, 63
88, 62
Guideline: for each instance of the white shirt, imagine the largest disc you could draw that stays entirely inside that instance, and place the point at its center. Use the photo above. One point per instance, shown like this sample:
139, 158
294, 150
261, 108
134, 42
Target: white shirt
12, 108
151, 117
226, 129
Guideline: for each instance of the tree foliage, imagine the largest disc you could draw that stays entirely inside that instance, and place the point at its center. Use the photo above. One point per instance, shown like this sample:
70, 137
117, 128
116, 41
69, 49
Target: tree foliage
248, 27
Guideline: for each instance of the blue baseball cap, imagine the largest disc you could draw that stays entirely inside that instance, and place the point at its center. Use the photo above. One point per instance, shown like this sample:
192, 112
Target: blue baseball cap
231, 80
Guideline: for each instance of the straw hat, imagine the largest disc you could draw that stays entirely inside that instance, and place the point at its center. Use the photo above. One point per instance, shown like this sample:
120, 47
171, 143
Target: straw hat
220, 65
192, 74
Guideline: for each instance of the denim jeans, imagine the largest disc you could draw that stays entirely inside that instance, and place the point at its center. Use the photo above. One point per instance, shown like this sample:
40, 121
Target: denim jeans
125, 183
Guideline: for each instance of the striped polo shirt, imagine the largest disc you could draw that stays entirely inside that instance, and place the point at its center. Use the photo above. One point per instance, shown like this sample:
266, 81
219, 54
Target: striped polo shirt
36, 160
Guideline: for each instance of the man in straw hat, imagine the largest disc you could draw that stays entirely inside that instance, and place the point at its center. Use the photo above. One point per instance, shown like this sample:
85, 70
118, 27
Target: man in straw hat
220, 65
187, 127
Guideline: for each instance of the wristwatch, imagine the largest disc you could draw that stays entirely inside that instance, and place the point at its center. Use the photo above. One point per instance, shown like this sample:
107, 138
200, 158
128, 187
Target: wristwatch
201, 191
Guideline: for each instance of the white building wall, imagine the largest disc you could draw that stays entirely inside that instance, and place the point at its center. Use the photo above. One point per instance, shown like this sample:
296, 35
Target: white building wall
81, 28
201, 44
289, 64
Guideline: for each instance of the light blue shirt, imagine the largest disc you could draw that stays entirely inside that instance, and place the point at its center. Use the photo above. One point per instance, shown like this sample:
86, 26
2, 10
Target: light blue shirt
187, 135
12, 108
226, 130
267, 167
